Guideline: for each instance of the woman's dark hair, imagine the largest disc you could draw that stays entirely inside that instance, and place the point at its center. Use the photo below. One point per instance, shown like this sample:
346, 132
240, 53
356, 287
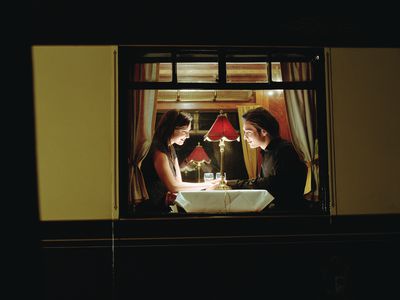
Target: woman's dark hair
262, 119
169, 121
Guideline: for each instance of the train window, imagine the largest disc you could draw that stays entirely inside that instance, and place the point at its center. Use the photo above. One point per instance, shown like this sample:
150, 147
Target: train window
205, 84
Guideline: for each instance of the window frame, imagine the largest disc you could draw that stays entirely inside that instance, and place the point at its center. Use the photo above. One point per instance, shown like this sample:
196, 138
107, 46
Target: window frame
174, 55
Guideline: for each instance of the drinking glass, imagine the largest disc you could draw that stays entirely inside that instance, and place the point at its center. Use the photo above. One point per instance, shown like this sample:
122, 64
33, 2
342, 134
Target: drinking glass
218, 175
208, 177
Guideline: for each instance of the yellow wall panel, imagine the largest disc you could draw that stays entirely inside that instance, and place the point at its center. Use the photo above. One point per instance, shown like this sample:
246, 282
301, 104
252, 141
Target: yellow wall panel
74, 116
365, 103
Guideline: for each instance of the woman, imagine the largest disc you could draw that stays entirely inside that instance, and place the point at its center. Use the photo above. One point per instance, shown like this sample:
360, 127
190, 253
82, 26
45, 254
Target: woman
160, 168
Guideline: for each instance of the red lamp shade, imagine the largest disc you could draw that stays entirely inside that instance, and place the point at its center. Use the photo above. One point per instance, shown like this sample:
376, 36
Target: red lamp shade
198, 155
222, 129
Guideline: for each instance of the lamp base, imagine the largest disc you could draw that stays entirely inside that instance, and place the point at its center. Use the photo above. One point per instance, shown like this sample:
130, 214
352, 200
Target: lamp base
223, 186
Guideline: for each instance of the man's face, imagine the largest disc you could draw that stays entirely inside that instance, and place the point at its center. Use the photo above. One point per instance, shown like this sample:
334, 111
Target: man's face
252, 136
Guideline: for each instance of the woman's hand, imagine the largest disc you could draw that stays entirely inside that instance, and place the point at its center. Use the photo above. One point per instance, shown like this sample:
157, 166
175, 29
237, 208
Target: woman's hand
170, 198
216, 181
213, 184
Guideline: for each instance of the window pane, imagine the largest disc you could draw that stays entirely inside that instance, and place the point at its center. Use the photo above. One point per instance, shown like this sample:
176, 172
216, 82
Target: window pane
276, 72
296, 71
152, 72
246, 72
197, 72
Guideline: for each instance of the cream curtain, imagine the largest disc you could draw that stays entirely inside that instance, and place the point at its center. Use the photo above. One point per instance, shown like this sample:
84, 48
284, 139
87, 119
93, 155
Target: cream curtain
249, 154
142, 115
301, 109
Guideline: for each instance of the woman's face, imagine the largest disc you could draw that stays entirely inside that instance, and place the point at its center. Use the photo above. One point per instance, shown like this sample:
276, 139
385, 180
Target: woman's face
180, 134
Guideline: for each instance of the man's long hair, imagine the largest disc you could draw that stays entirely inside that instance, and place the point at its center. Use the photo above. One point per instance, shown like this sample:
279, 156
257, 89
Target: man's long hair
263, 119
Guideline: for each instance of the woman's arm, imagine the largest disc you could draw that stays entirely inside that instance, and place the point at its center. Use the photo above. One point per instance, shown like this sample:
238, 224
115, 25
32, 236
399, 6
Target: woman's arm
163, 170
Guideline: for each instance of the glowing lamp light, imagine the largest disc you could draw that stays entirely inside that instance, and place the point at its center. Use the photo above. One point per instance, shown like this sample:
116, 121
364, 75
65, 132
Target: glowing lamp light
221, 131
198, 156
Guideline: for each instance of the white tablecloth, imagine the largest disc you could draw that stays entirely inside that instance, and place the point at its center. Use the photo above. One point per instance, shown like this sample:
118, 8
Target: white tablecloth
224, 201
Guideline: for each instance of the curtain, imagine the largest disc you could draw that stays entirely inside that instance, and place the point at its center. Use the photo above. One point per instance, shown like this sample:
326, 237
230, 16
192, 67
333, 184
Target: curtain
142, 108
249, 154
301, 109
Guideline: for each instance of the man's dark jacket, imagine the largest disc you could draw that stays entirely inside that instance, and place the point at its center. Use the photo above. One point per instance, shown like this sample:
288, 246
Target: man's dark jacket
283, 174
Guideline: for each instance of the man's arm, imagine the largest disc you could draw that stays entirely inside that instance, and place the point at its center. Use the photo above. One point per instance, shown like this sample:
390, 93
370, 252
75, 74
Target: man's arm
259, 183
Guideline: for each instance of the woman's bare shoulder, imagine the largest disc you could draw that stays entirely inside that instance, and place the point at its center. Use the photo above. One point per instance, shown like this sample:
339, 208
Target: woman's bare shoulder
159, 156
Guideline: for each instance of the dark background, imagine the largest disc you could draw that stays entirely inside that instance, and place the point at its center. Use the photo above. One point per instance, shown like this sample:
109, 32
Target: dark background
33, 272
213, 23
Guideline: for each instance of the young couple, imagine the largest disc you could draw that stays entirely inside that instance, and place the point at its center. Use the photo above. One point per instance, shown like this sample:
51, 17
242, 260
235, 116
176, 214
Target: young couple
283, 172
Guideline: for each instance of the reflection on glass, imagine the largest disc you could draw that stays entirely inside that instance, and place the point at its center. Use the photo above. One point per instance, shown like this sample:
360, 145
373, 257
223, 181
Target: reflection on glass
296, 71
197, 72
276, 72
246, 72
152, 72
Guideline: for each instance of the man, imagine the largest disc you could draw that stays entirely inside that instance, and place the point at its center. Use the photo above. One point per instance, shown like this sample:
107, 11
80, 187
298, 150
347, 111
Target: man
283, 172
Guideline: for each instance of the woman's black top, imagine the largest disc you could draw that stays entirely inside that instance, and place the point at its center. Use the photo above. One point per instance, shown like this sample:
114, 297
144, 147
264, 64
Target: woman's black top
155, 187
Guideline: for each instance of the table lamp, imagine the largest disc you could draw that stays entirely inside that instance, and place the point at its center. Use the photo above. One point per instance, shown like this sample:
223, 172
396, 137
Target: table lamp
221, 131
186, 167
198, 156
